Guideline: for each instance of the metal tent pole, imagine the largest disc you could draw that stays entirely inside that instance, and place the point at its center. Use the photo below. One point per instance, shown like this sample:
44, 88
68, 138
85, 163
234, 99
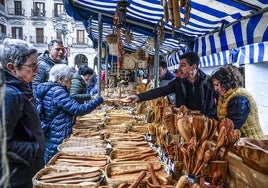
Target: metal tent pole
100, 29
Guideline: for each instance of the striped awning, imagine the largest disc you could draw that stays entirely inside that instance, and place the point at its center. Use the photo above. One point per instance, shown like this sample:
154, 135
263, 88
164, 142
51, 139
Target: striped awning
249, 54
242, 33
253, 53
215, 26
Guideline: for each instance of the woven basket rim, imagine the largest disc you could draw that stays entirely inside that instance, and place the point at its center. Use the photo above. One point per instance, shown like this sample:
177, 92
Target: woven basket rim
39, 184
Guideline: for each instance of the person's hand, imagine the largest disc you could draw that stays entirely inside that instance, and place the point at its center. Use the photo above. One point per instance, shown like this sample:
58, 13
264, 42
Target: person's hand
131, 100
105, 99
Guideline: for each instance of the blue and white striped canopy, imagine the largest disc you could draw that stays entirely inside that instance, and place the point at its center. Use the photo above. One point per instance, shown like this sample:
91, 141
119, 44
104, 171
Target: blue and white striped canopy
215, 26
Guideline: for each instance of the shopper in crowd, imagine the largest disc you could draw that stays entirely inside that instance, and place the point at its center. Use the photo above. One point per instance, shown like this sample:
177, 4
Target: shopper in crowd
191, 88
92, 87
235, 102
53, 55
80, 81
58, 109
24, 136
165, 76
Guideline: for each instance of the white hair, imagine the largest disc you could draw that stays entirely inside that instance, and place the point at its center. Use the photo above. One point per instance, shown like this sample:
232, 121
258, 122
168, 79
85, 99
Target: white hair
61, 71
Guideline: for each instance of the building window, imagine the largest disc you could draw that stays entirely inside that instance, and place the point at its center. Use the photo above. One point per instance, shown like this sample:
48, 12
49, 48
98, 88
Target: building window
40, 35
80, 37
17, 33
38, 9
58, 9
3, 31
58, 36
18, 8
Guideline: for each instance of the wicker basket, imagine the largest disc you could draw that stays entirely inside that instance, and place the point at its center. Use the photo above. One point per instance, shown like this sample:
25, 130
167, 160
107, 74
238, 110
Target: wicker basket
75, 176
81, 134
123, 152
140, 54
89, 141
132, 170
81, 148
111, 38
85, 128
129, 63
78, 160
112, 42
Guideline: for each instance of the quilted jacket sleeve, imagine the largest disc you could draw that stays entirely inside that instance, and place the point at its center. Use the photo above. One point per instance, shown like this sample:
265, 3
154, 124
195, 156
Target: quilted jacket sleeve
65, 102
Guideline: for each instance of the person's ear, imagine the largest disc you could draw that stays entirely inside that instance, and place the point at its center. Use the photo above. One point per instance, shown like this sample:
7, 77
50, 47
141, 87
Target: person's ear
193, 67
11, 67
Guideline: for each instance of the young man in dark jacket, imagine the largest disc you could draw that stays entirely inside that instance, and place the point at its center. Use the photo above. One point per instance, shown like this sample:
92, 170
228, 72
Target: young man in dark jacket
52, 56
191, 88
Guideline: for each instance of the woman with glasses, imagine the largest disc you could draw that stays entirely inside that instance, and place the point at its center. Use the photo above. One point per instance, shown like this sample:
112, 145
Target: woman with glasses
24, 136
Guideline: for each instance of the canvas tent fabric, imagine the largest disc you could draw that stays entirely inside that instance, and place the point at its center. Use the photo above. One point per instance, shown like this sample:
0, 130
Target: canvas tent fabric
215, 26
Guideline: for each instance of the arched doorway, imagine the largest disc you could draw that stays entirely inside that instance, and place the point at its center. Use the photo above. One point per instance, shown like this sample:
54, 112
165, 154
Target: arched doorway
80, 59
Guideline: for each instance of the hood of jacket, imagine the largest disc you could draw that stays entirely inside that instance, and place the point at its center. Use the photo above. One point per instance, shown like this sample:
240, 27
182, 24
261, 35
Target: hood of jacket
43, 88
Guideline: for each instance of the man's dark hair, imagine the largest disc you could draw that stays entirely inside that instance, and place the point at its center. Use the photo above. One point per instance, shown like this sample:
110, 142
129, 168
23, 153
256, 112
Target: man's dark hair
163, 64
83, 70
54, 41
192, 58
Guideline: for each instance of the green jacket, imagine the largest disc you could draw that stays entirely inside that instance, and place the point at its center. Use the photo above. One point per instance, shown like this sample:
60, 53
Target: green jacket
78, 89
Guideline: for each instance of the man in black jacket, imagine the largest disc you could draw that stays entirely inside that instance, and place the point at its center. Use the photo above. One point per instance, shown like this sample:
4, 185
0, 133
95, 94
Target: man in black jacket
52, 56
191, 88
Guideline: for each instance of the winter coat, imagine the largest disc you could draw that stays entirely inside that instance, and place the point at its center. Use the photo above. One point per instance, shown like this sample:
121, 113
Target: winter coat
58, 110
78, 89
45, 63
238, 105
25, 138
196, 96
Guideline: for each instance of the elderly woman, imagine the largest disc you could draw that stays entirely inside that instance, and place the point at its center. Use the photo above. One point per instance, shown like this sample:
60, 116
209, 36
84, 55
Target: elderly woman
58, 109
235, 102
80, 80
24, 136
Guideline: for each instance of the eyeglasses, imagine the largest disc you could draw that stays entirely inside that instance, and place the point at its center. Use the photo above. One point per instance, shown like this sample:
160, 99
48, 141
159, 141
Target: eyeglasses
34, 66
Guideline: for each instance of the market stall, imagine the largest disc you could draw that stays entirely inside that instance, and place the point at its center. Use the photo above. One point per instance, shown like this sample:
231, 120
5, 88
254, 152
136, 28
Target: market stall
154, 144
168, 147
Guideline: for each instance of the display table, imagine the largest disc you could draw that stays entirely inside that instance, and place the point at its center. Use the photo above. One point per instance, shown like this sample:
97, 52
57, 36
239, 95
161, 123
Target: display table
241, 175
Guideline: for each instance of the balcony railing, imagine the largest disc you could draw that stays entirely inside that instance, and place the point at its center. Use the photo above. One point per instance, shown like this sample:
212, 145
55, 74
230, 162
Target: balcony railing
80, 41
3, 36
38, 39
38, 13
57, 14
16, 11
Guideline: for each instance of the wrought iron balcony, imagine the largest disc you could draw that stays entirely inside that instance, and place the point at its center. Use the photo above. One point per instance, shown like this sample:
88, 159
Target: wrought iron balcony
16, 11
38, 39
38, 13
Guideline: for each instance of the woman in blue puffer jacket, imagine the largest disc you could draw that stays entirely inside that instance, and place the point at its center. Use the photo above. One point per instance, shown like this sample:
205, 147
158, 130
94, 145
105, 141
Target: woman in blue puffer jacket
58, 109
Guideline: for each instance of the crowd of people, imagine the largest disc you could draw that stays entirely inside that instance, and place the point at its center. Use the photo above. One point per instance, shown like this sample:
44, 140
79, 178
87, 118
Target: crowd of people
43, 97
